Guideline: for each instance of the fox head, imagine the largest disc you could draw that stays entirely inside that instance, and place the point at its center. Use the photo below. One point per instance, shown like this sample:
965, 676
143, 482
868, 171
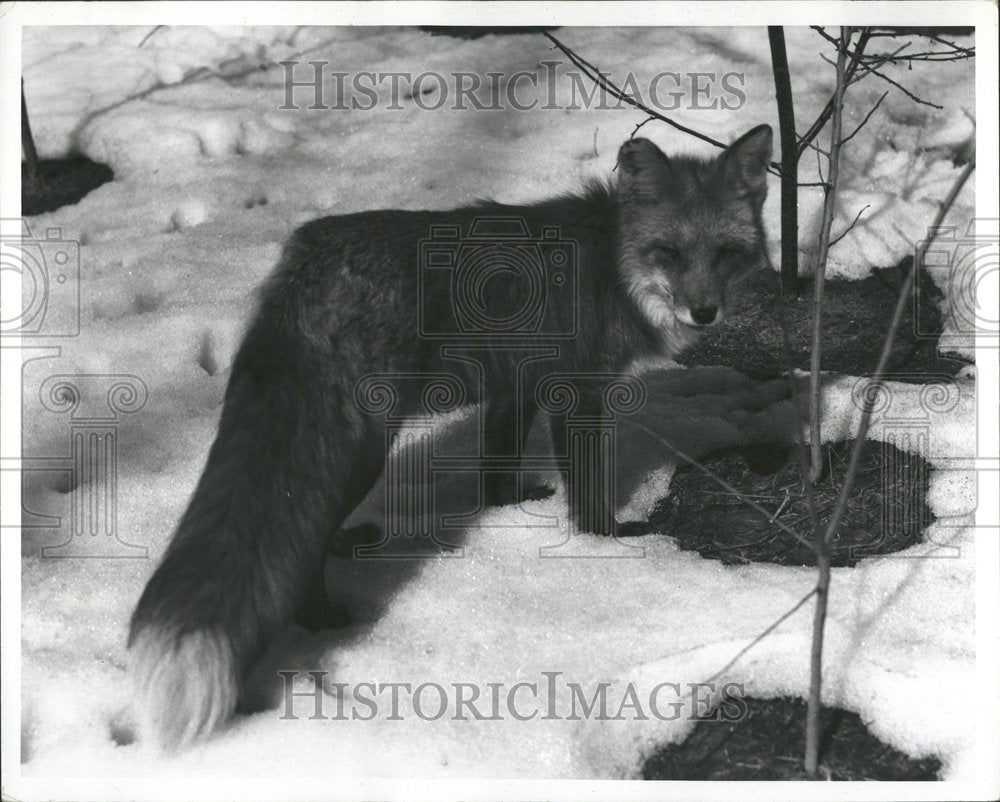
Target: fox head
688, 228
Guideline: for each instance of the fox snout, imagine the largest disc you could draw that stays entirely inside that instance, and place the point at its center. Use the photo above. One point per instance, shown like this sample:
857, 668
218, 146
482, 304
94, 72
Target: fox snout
699, 295
700, 316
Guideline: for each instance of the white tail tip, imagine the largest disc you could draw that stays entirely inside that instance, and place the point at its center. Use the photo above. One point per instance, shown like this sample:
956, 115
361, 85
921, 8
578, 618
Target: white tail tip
184, 686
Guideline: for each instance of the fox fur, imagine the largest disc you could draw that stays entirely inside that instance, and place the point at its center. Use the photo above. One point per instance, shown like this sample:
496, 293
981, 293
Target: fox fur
656, 249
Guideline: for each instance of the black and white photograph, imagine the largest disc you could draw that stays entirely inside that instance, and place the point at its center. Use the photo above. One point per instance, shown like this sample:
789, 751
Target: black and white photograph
499, 400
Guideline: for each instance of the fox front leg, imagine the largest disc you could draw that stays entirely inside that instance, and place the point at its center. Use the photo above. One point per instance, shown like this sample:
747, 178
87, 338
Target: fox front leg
505, 434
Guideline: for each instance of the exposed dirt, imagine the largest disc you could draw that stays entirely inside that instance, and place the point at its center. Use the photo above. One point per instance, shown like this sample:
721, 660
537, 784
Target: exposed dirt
856, 317
60, 182
886, 512
768, 742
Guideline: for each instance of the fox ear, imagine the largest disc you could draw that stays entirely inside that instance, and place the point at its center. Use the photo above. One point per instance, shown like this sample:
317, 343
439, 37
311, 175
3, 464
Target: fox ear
641, 164
745, 162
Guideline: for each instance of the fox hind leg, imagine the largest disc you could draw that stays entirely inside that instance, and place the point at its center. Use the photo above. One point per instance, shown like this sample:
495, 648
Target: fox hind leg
506, 435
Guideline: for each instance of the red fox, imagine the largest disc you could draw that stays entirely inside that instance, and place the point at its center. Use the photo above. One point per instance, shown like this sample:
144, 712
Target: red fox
633, 269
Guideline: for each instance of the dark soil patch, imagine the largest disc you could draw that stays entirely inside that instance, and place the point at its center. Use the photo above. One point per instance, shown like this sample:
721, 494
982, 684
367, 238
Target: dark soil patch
60, 182
886, 513
479, 31
768, 742
856, 317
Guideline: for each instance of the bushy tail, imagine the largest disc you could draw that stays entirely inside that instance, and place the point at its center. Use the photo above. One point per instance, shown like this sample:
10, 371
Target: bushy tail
184, 686
286, 468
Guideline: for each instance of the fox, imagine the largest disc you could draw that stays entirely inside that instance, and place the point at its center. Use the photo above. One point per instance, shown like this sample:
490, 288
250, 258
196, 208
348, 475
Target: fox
655, 248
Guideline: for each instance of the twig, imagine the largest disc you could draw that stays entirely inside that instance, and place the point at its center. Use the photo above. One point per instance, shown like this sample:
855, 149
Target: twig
819, 620
815, 431
761, 636
640, 125
970, 51
800, 447
829, 206
149, 35
874, 108
28, 140
847, 230
901, 305
824, 115
599, 78
899, 86
816, 147
777, 512
790, 154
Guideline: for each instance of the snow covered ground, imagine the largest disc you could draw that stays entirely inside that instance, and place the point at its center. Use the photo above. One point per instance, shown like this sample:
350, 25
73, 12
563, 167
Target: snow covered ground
211, 176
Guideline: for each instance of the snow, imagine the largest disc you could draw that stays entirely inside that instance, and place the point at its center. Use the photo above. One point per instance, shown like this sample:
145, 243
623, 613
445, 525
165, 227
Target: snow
210, 179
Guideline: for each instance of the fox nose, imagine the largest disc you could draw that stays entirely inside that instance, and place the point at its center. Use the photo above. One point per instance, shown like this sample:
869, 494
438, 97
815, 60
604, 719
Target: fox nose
705, 315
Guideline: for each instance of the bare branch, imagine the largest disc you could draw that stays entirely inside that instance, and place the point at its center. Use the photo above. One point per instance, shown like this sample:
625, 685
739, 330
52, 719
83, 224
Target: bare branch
762, 635
790, 156
971, 51
817, 148
829, 205
847, 230
816, 462
28, 139
601, 79
820, 122
874, 108
899, 86
640, 125
901, 305
149, 35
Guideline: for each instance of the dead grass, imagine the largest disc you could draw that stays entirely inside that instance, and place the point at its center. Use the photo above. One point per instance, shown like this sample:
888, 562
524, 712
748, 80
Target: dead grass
60, 182
767, 743
886, 513
856, 316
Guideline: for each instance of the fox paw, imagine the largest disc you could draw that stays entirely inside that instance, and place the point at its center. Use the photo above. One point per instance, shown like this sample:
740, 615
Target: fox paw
502, 490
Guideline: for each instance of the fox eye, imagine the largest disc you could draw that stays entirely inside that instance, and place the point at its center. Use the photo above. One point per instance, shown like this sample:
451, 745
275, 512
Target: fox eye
664, 253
